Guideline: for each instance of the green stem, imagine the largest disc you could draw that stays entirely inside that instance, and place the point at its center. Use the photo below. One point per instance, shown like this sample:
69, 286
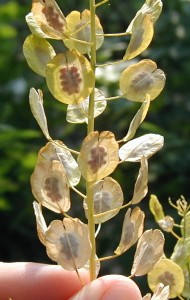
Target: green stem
89, 185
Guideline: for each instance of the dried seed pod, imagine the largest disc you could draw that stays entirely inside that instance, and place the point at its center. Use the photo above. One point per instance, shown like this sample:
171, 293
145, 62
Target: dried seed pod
138, 119
166, 223
36, 105
161, 293
140, 79
68, 243
132, 229
78, 113
168, 273
50, 18
151, 7
57, 151
107, 195
69, 77
50, 187
98, 156
146, 146
141, 185
40, 222
149, 251
80, 26
38, 52
142, 34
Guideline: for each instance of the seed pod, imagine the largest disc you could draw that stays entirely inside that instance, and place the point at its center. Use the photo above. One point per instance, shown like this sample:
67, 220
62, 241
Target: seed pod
80, 26
132, 229
144, 146
140, 79
149, 251
38, 52
50, 187
78, 113
68, 243
142, 34
98, 155
168, 273
50, 18
107, 195
69, 77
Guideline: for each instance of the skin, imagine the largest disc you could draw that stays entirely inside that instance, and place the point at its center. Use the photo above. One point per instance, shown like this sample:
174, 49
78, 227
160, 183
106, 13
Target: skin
21, 281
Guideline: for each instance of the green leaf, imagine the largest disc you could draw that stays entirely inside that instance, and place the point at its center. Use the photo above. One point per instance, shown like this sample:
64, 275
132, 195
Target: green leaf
156, 208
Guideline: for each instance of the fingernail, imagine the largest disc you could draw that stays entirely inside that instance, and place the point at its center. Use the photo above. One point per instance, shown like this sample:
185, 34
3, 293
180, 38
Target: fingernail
114, 293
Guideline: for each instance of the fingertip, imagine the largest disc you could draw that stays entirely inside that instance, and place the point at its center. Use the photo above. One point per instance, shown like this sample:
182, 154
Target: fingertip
110, 287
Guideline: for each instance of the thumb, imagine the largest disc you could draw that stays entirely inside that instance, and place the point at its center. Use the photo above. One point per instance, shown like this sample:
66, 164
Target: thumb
110, 287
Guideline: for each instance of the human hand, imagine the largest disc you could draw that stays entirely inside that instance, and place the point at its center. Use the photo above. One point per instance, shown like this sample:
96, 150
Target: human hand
33, 281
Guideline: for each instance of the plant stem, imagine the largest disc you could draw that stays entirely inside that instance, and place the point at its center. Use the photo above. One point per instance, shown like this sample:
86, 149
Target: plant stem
89, 185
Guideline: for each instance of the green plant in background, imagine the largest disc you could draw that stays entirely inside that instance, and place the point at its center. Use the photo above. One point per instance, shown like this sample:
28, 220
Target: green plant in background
174, 271
70, 77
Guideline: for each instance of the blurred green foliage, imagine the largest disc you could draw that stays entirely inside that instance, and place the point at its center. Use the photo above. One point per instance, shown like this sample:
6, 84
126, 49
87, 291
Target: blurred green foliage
20, 137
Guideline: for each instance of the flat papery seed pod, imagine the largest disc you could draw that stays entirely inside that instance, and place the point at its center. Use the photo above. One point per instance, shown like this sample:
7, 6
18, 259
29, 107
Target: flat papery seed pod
149, 251
38, 52
156, 208
138, 119
141, 185
166, 224
146, 145
147, 297
161, 293
181, 253
57, 151
132, 229
50, 187
34, 27
70, 77
151, 7
140, 79
78, 113
80, 26
97, 267
68, 243
50, 18
168, 273
36, 105
98, 156
40, 222
142, 34
107, 195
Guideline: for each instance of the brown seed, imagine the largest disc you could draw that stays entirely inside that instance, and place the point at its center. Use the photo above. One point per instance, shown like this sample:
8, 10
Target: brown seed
97, 158
51, 185
70, 79
52, 18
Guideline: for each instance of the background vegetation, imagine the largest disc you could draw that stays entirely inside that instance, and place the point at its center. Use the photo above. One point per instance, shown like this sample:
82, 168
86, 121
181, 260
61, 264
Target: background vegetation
20, 137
